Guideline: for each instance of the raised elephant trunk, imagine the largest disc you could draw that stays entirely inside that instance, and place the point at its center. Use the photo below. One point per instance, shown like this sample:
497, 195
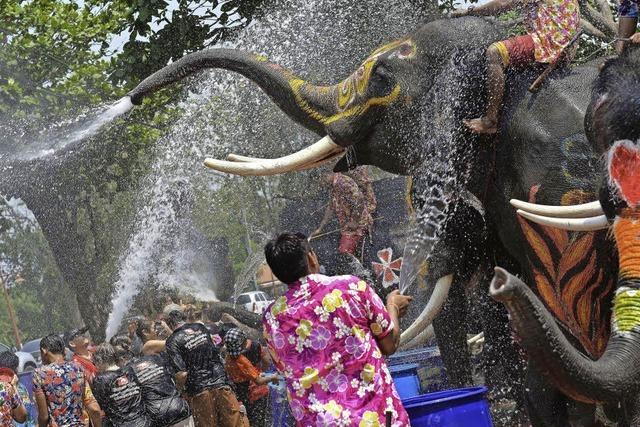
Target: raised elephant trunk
305, 103
616, 375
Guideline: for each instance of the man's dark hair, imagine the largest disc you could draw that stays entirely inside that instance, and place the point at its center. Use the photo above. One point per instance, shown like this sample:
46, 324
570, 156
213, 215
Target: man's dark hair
175, 318
53, 344
287, 256
9, 360
104, 355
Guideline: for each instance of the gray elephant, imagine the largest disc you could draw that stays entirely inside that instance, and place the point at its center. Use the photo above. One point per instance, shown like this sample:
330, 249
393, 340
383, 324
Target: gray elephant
402, 111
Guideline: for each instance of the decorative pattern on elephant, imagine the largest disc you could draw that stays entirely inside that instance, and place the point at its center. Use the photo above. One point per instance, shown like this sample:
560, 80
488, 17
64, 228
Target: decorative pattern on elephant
352, 97
570, 280
387, 267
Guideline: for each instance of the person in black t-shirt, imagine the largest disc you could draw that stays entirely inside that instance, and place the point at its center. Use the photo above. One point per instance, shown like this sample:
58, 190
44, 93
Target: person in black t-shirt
159, 393
117, 392
200, 368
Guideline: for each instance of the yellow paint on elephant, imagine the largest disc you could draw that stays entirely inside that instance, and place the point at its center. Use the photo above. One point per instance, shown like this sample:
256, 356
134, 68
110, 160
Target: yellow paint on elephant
369, 419
261, 58
362, 286
357, 83
304, 328
297, 84
626, 309
309, 378
626, 302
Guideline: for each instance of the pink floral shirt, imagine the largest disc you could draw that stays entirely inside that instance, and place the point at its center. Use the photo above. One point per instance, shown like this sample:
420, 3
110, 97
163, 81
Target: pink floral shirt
321, 335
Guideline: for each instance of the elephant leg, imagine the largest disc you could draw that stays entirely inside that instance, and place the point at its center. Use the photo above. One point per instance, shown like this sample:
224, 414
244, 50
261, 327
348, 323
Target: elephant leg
451, 333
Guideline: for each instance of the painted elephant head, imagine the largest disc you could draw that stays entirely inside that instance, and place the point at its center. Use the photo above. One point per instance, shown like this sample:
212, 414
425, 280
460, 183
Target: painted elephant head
613, 122
387, 113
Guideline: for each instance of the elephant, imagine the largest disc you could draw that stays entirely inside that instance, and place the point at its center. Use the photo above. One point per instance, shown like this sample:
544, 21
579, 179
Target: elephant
612, 124
402, 111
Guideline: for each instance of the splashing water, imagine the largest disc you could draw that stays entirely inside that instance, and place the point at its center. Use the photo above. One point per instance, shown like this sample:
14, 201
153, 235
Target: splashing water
226, 113
445, 172
65, 134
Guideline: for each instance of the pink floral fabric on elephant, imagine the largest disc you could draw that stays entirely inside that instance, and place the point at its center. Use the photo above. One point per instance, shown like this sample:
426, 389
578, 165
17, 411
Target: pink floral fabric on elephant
321, 335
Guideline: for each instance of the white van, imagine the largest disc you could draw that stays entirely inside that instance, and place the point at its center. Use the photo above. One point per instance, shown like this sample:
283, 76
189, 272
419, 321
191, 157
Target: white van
255, 301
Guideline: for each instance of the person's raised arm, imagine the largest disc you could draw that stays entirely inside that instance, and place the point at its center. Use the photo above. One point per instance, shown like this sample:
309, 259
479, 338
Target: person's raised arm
328, 214
397, 305
492, 8
153, 347
18, 411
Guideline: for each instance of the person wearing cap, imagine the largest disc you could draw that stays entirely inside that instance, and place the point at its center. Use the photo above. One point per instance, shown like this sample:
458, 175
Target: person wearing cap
78, 342
61, 390
199, 368
243, 364
12, 408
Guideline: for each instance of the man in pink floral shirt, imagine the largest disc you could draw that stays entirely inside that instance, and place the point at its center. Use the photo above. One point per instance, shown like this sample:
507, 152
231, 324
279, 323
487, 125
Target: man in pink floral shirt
327, 337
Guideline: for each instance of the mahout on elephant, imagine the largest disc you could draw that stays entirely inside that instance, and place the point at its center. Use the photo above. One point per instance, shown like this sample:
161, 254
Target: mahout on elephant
402, 111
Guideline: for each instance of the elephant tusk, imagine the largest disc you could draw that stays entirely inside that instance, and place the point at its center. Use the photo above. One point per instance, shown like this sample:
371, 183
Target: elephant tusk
436, 301
323, 150
312, 165
420, 340
571, 224
585, 210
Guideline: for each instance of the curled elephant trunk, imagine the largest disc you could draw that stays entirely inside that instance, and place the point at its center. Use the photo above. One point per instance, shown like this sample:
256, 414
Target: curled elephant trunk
305, 103
615, 375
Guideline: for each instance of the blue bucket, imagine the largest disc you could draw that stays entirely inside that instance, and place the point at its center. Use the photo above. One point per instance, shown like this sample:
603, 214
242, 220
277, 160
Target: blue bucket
405, 377
464, 407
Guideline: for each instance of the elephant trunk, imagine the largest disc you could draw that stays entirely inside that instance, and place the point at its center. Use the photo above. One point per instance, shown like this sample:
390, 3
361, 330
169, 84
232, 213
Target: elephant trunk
614, 375
307, 104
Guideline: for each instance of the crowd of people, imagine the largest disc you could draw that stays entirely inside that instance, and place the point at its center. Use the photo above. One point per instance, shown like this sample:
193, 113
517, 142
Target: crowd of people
326, 336
164, 372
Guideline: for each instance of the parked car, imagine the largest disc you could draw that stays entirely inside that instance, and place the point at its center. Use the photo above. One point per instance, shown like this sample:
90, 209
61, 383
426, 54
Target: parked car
255, 301
27, 362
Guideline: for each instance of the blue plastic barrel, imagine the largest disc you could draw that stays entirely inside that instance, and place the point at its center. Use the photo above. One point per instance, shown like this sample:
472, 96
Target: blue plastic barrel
464, 407
405, 378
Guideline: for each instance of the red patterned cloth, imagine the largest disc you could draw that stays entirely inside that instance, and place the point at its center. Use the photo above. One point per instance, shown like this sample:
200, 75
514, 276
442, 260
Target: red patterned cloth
552, 24
354, 202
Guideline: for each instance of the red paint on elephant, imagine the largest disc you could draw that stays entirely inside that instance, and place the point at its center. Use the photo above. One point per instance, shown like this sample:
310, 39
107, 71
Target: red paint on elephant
624, 171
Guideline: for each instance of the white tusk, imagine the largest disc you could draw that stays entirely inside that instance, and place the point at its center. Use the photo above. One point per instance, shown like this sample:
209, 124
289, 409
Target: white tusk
420, 340
314, 164
570, 224
585, 210
312, 154
436, 301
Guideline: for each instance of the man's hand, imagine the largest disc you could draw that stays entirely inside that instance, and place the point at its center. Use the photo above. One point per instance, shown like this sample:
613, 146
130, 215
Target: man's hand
399, 301
635, 38
227, 318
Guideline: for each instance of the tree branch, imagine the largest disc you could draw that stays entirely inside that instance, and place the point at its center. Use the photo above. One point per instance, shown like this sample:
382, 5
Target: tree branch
588, 28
